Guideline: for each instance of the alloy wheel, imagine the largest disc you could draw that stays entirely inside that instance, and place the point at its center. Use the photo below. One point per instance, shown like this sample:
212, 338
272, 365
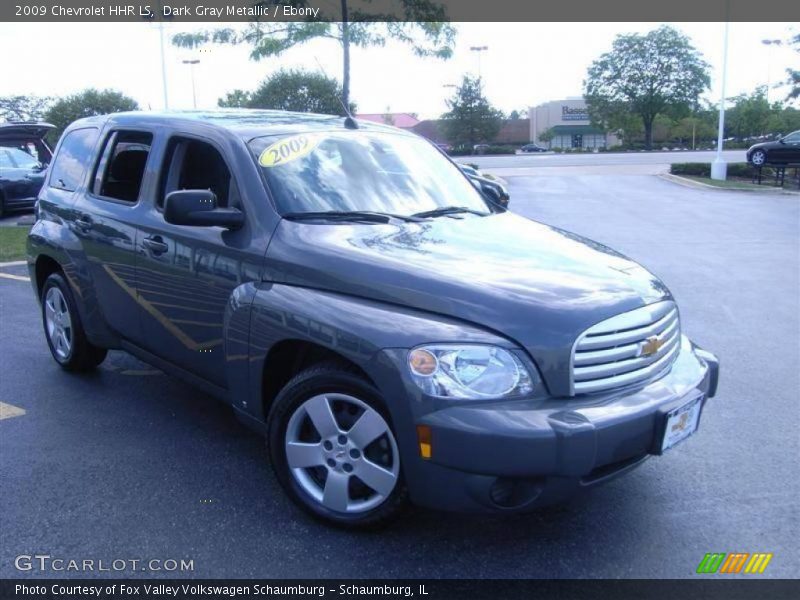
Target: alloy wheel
758, 158
59, 322
342, 453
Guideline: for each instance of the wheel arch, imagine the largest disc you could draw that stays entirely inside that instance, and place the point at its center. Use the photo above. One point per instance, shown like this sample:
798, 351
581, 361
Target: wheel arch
288, 357
44, 266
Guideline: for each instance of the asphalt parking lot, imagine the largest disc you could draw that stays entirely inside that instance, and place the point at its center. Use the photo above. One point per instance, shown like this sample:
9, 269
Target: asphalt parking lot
129, 463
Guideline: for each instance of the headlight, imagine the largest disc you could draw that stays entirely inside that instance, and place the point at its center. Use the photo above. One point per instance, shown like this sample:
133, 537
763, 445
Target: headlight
468, 371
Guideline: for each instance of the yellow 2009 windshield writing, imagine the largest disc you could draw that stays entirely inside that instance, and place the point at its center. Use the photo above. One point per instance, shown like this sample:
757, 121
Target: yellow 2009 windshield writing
288, 149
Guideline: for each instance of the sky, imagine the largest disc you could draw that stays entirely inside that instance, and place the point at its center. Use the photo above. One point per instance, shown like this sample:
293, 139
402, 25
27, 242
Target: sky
526, 63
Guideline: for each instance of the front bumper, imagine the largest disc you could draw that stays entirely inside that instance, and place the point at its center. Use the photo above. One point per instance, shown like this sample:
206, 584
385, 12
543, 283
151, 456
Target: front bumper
522, 454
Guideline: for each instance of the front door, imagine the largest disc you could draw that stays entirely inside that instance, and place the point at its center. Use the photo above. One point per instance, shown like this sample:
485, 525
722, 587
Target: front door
789, 151
186, 275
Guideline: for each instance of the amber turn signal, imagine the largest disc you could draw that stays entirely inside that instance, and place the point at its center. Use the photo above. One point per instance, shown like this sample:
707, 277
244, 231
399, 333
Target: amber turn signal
422, 362
424, 437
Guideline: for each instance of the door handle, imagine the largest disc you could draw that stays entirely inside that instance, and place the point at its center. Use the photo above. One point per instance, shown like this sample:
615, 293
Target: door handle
84, 222
155, 244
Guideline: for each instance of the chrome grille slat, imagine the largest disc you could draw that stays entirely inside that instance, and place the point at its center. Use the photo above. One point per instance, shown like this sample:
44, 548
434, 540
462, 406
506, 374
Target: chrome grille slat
622, 366
594, 357
598, 385
608, 354
604, 340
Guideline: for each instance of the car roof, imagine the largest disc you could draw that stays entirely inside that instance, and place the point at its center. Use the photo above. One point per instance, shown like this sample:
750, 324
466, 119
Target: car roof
245, 123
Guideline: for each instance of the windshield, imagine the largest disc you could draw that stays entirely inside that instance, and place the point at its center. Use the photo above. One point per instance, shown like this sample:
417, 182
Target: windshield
360, 171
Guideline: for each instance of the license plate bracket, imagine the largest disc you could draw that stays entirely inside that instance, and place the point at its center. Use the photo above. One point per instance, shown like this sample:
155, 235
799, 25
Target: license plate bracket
679, 421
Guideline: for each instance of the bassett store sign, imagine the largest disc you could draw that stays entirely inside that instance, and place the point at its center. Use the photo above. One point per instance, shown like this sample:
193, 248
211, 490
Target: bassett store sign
574, 113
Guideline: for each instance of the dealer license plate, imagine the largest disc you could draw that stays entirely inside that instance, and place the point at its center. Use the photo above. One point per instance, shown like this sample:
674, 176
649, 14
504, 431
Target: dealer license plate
681, 422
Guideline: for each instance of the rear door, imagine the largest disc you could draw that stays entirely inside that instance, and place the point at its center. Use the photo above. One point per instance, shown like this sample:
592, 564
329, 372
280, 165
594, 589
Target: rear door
106, 216
186, 275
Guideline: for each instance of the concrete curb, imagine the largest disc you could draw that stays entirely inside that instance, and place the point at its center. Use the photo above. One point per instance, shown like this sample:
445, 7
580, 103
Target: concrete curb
684, 181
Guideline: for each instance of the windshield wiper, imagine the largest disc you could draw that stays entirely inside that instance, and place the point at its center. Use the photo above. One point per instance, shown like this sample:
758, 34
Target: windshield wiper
448, 210
349, 215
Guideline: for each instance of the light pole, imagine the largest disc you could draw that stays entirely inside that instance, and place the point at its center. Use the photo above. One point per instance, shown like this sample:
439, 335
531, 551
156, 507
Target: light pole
479, 50
719, 168
771, 44
192, 62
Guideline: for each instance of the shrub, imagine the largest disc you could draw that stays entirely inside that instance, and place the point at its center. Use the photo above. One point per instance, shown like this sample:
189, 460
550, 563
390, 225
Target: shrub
743, 170
698, 169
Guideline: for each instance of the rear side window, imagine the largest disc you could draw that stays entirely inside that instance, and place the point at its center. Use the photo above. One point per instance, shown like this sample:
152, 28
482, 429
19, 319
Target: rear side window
69, 166
124, 160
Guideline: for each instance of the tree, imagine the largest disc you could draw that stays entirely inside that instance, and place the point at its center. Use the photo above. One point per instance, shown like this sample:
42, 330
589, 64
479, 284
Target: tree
547, 136
750, 114
784, 121
690, 130
471, 118
235, 99
419, 23
24, 108
793, 75
646, 75
87, 103
299, 91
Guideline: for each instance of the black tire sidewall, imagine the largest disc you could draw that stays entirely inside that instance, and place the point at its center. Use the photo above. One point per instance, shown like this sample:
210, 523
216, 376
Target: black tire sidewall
56, 280
83, 356
318, 380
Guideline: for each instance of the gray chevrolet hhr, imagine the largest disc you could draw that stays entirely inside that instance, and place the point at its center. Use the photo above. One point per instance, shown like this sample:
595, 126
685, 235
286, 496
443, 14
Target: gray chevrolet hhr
393, 331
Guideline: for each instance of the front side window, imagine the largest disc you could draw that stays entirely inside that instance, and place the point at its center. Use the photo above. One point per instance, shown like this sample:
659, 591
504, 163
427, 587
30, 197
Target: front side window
196, 165
792, 138
361, 171
70, 164
126, 157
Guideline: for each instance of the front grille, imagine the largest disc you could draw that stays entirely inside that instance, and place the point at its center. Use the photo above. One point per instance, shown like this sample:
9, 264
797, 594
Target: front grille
614, 353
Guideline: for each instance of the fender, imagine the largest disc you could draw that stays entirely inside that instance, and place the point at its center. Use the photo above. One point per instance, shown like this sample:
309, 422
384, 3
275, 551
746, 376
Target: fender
51, 236
350, 326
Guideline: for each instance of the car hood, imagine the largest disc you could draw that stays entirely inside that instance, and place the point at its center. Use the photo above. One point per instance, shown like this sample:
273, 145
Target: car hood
764, 146
534, 284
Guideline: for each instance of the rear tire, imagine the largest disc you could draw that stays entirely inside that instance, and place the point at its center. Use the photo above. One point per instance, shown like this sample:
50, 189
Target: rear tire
333, 450
63, 328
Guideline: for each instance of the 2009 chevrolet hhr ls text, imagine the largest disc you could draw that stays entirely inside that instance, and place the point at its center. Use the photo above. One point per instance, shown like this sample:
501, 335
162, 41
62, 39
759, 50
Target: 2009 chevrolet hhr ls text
394, 332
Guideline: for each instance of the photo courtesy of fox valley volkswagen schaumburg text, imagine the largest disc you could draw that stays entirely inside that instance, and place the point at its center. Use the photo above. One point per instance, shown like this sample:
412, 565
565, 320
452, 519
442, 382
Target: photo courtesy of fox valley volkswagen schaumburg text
337, 298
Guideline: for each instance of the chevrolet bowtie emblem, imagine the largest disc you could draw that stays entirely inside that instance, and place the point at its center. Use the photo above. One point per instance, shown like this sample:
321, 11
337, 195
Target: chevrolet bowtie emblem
650, 346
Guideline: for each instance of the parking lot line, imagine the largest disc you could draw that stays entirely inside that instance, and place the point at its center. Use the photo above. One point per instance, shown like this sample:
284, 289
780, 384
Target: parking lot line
13, 263
14, 277
8, 411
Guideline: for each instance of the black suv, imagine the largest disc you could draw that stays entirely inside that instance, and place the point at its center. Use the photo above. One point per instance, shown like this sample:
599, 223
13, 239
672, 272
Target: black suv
24, 156
344, 287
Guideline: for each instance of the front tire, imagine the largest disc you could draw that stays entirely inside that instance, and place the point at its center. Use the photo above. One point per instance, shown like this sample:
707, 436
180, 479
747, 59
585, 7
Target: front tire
333, 449
63, 328
758, 158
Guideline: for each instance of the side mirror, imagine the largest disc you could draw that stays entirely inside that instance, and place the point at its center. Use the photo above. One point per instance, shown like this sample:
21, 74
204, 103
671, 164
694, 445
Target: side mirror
492, 193
198, 208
